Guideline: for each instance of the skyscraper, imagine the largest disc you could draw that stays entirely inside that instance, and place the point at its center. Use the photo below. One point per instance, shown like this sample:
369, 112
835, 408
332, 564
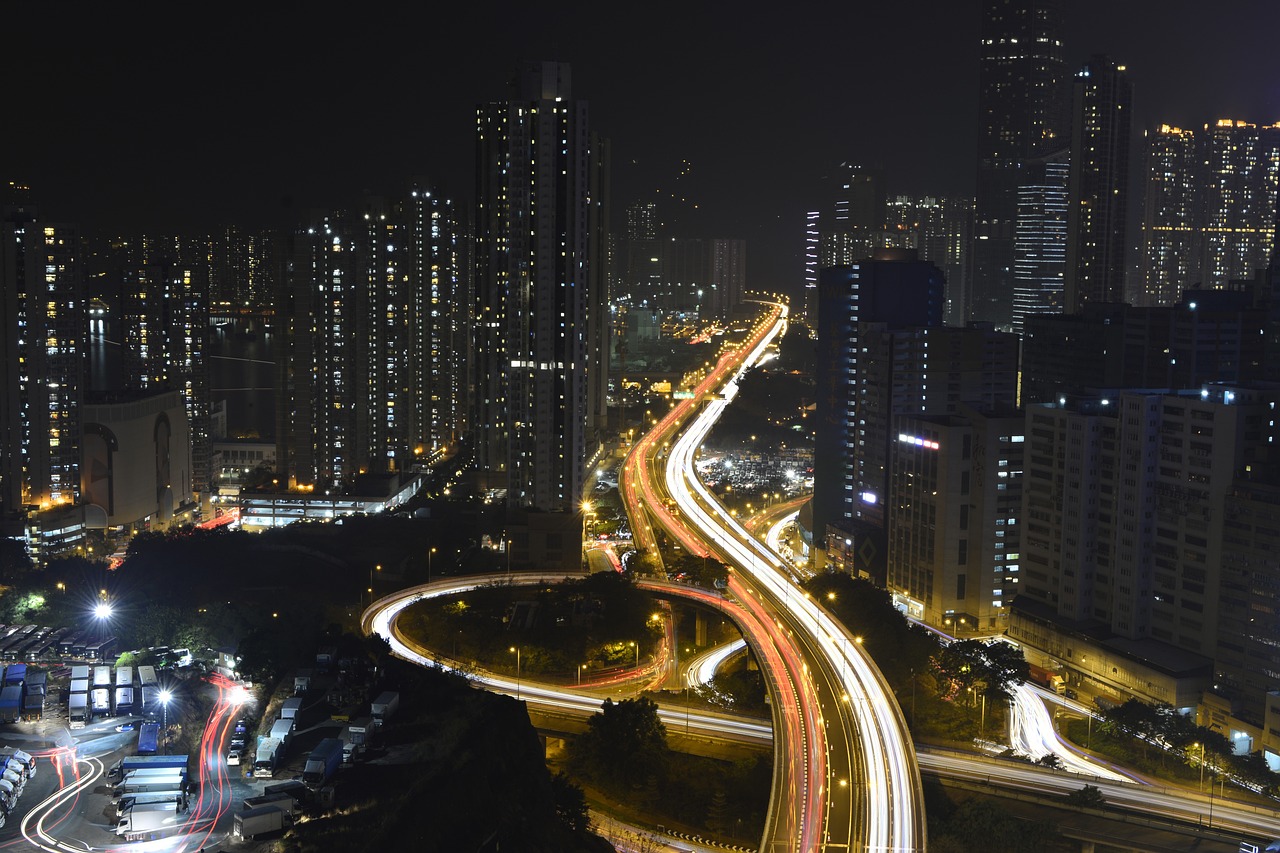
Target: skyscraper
1171, 228
1022, 114
43, 323
1099, 186
533, 296
1040, 239
1242, 170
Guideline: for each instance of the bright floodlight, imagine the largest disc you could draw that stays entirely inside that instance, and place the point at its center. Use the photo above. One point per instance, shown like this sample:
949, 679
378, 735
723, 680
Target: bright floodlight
239, 696
165, 696
102, 611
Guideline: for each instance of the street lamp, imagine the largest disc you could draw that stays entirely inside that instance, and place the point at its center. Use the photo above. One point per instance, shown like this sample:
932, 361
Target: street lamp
429, 553
164, 697
636, 646
581, 667
1200, 746
516, 649
371, 571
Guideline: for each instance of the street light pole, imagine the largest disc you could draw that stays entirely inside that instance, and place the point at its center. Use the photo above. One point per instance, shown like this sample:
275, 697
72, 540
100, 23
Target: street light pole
429, 553
516, 649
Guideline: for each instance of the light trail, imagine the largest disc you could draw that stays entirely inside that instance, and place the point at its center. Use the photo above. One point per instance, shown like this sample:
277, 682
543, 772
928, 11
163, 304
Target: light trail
703, 668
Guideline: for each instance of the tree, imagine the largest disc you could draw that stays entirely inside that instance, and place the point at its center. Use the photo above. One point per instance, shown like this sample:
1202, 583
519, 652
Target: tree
999, 665
570, 803
625, 743
1089, 796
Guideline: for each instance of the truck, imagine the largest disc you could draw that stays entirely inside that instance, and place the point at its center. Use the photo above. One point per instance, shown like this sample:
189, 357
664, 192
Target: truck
131, 763
15, 673
254, 822
14, 778
264, 762
149, 821
10, 765
37, 682
11, 703
149, 776
32, 706
100, 701
126, 803
326, 657
124, 702
147, 676
148, 738
282, 730
1045, 678
78, 710
301, 682
349, 747
150, 785
24, 758
362, 732
284, 801
79, 685
80, 673
384, 707
322, 763
295, 788
8, 795
289, 710
102, 676
124, 676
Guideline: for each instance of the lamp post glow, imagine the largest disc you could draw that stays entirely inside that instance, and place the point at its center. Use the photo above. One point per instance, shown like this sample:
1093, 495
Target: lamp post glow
516, 649
429, 553
164, 697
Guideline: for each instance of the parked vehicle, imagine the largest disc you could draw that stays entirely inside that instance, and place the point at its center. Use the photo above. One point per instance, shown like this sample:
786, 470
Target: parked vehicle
384, 707
349, 747
233, 756
149, 738
282, 730
11, 703
24, 758
322, 763
149, 762
302, 681
126, 803
100, 701
254, 822
284, 801
148, 821
289, 710
295, 788
264, 762
8, 795
362, 732
33, 706
102, 676
15, 673
80, 673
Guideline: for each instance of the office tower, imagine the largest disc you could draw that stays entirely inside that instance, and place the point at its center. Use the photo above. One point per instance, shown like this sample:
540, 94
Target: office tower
642, 220
1040, 239
1022, 114
242, 267
1099, 188
533, 181
955, 502
853, 223
812, 239
894, 288
1241, 172
1171, 229
43, 324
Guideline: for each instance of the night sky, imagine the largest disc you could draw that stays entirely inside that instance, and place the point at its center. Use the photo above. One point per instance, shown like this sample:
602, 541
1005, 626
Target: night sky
185, 117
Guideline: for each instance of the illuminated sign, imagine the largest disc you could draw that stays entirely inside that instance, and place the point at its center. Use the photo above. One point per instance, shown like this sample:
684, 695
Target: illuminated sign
917, 441
682, 395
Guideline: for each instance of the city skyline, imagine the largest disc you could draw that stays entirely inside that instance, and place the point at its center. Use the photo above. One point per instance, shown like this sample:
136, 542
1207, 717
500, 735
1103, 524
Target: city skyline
135, 129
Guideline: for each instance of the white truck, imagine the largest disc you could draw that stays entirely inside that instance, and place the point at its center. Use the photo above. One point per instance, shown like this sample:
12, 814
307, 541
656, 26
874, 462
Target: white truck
24, 758
287, 803
289, 710
384, 707
264, 763
78, 710
254, 822
282, 730
148, 821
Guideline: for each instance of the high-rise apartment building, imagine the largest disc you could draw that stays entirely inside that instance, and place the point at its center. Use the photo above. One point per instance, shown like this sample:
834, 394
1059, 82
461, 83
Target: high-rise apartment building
812, 239
1022, 114
533, 292
893, 288
1210, 206
1241, 174
853, 224
371, 336
1128, 548
43, 324
1171, 229
1099, 184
